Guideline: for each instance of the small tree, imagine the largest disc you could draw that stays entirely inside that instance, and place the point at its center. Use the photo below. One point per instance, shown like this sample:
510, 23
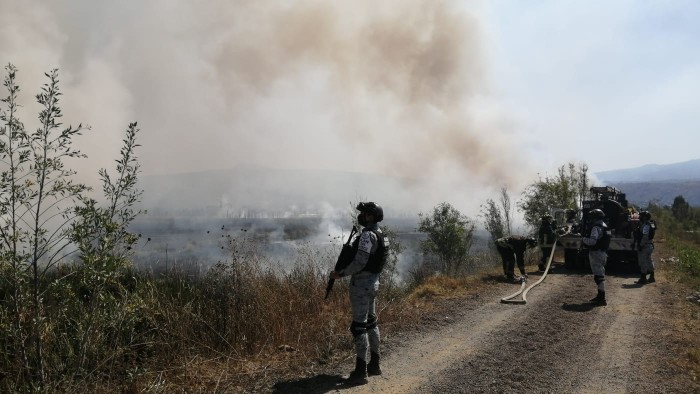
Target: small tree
680, 208
561, 191
507, 211
104, 245
43, 294
493, 220
449, 237
36, 200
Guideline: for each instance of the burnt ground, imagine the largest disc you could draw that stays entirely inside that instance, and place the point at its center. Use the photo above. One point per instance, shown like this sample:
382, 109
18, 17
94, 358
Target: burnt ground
556, 343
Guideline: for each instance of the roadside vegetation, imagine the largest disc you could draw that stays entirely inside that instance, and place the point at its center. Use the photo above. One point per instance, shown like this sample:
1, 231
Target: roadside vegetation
680, 226
76, 316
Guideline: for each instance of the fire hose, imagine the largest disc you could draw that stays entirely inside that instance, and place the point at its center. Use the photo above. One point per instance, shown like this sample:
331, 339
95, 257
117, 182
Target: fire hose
509, 299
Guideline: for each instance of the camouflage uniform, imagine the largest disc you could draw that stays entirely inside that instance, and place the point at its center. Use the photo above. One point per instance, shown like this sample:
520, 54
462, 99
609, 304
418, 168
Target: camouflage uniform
645, 247
598, 258
364, 287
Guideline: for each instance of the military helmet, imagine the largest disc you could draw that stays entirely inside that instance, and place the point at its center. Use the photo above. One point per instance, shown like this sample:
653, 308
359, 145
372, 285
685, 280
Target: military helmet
547, 218
645, 215
531, 242
373, 209
570, 211
597, 213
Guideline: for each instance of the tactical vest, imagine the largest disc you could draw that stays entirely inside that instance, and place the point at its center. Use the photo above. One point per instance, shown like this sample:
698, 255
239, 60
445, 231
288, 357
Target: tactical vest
652, 231
378, 259
602, 243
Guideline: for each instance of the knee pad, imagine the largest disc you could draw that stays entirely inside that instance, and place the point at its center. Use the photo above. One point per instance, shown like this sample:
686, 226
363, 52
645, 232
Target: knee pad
357, 328
371, 322
598, 279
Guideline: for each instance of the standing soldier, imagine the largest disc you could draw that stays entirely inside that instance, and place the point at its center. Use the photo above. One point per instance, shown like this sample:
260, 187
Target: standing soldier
512, 249
364, 270
597, 239
546, 239
644, 241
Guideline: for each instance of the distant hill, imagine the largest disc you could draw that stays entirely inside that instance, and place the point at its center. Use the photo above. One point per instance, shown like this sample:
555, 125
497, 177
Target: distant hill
662, 192
687, 170
659, 183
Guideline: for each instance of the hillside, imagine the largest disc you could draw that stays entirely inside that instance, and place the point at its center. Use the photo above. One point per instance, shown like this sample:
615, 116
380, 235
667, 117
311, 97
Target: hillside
687, 170
657, 183
662, 192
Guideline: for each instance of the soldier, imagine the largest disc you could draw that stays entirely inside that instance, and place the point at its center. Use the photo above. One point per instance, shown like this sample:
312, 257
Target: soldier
597, 239
546, 238
512, 249
644, 242
364, 270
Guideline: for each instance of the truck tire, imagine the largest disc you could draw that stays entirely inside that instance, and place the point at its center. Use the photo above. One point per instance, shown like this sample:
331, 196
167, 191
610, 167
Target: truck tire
570, 257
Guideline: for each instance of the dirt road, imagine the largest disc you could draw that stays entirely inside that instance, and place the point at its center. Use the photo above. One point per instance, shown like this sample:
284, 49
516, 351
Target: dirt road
557, 343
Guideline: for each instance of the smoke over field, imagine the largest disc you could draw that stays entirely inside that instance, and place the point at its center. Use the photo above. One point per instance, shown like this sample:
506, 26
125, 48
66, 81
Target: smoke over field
395, 88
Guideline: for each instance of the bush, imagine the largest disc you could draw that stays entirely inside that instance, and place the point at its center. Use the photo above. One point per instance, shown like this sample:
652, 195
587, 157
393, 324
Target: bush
449, 237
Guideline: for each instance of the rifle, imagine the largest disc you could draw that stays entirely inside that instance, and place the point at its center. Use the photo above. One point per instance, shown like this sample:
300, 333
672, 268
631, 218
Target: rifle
346, 256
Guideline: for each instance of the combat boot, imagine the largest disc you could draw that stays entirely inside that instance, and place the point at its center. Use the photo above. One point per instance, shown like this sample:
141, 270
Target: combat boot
373, 366
359, 375
642, 280
599, 299
651, 277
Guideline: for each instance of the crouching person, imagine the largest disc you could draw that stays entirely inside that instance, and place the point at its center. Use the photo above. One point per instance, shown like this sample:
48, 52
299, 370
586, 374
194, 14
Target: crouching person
512, 250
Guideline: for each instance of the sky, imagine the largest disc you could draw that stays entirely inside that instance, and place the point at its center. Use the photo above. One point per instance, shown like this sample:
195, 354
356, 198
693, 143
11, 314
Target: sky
451, 93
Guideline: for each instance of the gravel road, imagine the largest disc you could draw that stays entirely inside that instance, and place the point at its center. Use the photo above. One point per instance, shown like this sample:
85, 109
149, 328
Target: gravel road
556, 343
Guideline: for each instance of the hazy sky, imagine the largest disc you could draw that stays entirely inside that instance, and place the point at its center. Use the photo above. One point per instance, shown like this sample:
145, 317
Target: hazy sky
496, 91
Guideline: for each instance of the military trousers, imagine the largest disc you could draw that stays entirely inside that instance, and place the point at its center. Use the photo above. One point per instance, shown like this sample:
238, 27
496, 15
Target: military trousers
598, 259
646, 264
364, 287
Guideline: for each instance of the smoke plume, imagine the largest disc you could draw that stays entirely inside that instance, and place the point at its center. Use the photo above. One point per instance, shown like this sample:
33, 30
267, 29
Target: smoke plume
393, 87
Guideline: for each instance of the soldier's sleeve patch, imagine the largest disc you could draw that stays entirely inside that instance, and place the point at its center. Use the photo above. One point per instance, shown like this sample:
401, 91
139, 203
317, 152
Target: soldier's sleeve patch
365, 242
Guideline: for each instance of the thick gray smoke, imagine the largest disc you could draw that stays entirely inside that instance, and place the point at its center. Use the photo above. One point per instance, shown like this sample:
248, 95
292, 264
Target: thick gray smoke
392, 87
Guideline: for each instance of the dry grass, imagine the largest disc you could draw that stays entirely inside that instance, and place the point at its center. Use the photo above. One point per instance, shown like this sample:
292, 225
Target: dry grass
685, 315
246, 325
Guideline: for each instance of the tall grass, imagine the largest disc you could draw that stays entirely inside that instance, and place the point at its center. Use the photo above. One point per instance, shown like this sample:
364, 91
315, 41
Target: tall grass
154, 330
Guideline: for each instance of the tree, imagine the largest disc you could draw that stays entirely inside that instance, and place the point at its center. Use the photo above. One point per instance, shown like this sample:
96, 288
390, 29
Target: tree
104, 244
680, 208
36, 206
449, 237
45, 218
565, 190
493, 220
507, 210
